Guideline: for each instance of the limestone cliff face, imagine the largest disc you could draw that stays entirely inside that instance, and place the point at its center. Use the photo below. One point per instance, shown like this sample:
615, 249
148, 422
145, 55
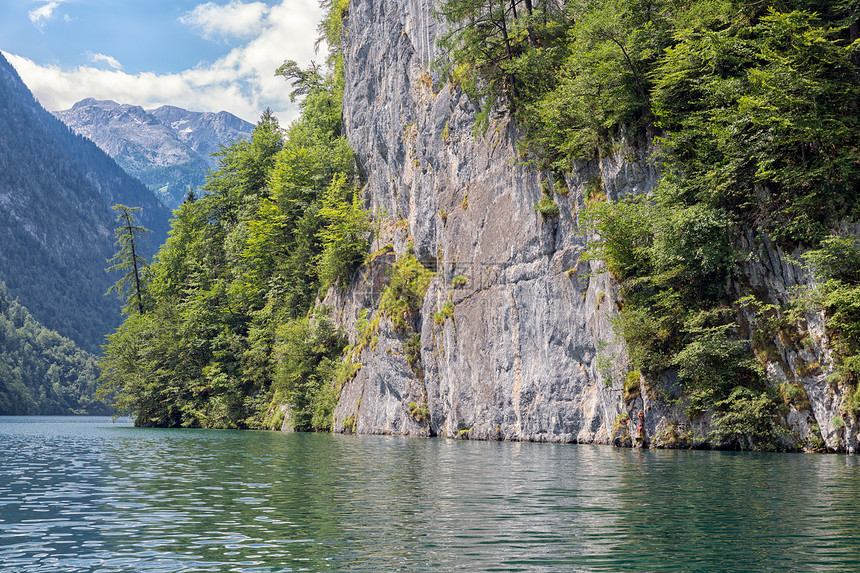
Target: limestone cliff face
529, 353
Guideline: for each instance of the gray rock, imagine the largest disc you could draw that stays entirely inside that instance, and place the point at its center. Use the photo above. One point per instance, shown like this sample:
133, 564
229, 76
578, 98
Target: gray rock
169, 149
530, 353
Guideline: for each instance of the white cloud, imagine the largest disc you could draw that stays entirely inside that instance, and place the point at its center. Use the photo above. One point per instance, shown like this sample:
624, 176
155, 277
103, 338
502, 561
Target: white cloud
235, 19
109, 60
40, 16
241, 82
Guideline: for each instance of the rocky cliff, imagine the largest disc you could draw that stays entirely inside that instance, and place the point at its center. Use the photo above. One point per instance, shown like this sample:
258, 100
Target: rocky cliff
169, 148
516, 341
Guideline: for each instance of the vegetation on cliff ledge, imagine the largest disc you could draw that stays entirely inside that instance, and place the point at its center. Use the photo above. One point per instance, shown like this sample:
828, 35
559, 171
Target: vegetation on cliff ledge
755, 108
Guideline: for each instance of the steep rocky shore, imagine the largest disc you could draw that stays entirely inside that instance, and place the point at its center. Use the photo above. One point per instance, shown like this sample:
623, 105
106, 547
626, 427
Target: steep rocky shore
528, 351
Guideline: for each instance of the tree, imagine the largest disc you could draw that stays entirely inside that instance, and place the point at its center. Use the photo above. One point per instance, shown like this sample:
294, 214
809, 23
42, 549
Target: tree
304, 82
127, 259
217, 346
346, 234
761, 118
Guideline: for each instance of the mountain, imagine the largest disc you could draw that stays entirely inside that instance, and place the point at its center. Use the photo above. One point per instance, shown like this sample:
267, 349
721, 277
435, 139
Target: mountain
56, 222
41, 372
169, 148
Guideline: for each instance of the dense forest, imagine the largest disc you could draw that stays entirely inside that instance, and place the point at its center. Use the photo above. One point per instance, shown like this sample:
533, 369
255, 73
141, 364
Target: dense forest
752, 107
228, 323
56, 189
42, 372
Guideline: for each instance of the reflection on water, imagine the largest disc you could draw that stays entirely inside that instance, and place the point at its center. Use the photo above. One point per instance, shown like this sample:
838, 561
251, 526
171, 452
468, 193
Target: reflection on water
87, 495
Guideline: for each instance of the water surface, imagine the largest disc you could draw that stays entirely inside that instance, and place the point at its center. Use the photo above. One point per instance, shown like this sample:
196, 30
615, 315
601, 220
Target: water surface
83, 494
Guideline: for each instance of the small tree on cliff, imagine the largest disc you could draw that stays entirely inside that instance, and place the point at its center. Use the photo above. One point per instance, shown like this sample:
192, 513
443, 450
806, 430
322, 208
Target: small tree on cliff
128, 236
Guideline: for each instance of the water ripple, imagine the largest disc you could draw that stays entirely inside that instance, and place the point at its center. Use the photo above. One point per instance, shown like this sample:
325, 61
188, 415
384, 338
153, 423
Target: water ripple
87, 495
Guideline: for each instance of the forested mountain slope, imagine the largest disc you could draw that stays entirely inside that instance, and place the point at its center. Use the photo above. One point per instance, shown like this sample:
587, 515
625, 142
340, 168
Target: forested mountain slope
56, 225
41, 372
169, 148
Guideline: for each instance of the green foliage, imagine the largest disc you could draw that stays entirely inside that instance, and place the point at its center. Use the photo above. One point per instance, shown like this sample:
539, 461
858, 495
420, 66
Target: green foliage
671, 261
346, 371
547, 207
836, 258
747, 420
631, 385
41, 372
662, 243
412, 351
304, 82
502, 54
602, 86
836, 265
767, 103
648, 336
445, 313
756, 105
307, 354
604, 367
625, 231
713, 361
331, 26
420, 414
793, 393
346, 235
230, 326
404, 295
128, 238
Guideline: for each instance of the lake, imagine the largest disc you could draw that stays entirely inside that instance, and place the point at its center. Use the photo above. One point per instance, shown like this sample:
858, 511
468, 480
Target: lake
85, 494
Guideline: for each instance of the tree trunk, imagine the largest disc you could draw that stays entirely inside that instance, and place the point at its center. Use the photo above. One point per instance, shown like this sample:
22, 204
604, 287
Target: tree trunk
137, 280
531, 30
137, 293
510, 53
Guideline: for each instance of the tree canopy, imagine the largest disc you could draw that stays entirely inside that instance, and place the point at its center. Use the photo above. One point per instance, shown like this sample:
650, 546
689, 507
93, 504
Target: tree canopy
229, 327
41, 372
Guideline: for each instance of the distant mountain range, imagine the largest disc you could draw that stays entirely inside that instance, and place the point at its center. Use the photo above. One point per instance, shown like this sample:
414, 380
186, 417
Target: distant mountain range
56, 222
169, 149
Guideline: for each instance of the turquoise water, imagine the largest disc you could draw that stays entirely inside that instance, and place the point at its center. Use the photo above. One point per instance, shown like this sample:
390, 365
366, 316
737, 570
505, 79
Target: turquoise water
82, 494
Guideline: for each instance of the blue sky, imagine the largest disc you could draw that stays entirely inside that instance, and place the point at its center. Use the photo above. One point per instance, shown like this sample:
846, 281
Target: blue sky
204, 56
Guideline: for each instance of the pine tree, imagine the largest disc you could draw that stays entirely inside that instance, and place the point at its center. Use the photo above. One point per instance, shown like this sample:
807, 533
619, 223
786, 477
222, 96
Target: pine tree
128, 236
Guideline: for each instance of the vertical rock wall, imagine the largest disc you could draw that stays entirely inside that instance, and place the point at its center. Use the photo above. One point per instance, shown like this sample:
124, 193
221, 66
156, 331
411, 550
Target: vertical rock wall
529, 353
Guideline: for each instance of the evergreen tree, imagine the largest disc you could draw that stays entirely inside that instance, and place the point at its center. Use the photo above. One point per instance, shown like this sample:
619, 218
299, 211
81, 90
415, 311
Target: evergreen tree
128, 259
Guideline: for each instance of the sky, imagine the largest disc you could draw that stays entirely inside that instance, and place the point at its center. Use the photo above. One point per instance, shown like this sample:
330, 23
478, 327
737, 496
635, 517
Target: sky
201, 56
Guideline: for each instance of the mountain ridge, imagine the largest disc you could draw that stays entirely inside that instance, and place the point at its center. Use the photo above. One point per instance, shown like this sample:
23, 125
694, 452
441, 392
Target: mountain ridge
56, 224
168, 148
